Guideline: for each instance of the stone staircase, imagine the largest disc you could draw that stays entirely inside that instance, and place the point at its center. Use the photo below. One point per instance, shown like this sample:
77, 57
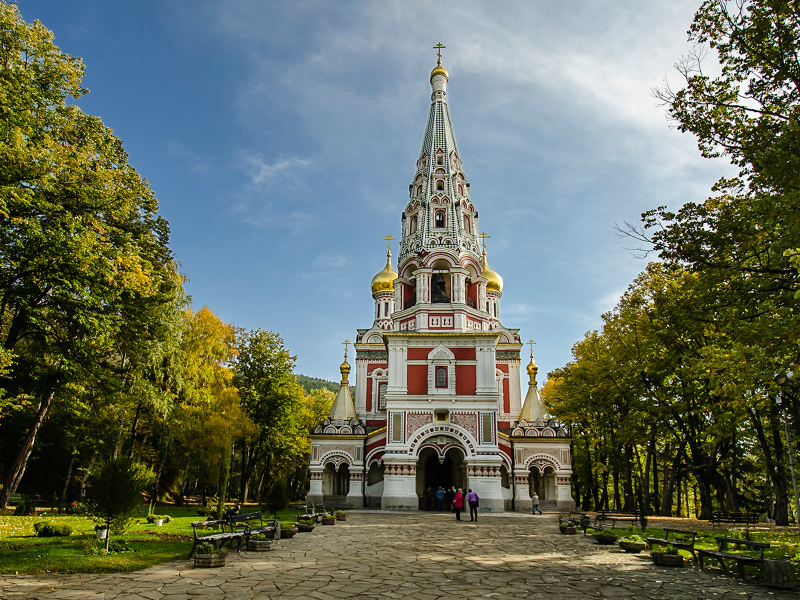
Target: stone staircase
339, 502
548, 506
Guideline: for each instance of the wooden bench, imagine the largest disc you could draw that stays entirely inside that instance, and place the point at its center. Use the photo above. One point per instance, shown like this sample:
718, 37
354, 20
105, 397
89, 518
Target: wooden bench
734, 517
310, 512
681, 539
741, 559
216, 539
243, 521
605, 516
582, 519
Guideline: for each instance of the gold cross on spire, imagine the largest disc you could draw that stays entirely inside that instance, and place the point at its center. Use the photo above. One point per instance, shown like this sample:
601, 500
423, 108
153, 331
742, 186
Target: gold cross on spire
345, 343
389, 239
484, 237
531, 343
438, 47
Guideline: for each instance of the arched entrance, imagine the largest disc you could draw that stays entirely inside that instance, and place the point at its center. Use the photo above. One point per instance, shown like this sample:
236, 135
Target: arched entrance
336, 482
543, 482
435, 470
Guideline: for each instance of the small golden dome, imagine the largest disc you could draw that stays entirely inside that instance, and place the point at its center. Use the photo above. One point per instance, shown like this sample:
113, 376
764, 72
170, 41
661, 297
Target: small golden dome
532, 369
493, 280
345, 369
384, 281
439, 70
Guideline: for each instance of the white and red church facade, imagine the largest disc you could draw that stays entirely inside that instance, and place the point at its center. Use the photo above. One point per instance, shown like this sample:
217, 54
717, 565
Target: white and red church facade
437, 376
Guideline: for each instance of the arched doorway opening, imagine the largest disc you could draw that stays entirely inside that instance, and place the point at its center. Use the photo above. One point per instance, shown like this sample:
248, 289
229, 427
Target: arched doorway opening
336, 482
543, 482
435, 471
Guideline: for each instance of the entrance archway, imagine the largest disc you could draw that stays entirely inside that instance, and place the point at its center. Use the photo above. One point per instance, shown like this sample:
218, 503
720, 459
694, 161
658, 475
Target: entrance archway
336, 482
544, 483
435, 470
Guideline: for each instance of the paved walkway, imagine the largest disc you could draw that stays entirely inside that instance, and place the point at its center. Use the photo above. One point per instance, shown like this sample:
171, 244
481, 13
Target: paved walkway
422, 556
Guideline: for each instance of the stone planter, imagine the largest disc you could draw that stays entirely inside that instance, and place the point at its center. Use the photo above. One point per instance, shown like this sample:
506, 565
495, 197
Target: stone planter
667, 560
329, 520
568, 530
604, 539
288, 533
259, 545
305, 527
341, 517
633, 547
207, 561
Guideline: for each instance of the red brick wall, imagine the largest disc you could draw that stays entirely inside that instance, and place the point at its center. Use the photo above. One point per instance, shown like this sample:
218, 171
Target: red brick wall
417, 379
464, 353
418, 353
465, 380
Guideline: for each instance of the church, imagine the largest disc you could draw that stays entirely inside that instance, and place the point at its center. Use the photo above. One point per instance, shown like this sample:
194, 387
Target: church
437, 376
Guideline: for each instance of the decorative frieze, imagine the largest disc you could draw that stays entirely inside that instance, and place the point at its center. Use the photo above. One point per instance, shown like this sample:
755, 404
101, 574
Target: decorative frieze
479, 471
508, 355
468, 421
415, 420
380, 356
405, 470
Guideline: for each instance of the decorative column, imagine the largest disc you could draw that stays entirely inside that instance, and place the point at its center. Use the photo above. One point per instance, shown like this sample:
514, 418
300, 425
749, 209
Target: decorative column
564, 498
459, 285
522, 497
486, 481
315, 495
400, 487
355, 495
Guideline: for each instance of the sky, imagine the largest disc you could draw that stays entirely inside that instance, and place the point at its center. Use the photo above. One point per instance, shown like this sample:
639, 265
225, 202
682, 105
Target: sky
280, 139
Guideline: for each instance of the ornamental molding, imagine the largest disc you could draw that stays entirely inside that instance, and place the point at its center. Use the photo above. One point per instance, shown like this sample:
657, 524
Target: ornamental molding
468, 441
508, 355
381, 356
469, 421
417, 420
540, 461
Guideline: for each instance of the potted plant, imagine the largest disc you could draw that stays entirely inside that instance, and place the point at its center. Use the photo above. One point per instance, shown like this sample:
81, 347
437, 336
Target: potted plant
632, 543
341, 515
567, 528
287, 530
259, 543
206, 556
329, 519
667, 558
305, 525
604, 538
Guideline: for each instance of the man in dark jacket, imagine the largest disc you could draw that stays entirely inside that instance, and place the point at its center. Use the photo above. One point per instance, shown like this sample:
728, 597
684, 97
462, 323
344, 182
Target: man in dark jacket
448, 498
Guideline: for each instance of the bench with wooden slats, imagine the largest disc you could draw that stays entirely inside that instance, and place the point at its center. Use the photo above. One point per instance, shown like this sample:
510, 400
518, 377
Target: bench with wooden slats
681, 539
217, 540
742, 560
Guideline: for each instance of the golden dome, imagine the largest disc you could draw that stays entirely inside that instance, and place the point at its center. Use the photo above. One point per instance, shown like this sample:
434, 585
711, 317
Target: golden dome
344, 368
439, 70
493, 280
384, 281
532, 369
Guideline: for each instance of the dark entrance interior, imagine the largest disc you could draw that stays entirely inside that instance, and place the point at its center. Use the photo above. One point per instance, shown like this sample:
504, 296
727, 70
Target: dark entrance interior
438, 474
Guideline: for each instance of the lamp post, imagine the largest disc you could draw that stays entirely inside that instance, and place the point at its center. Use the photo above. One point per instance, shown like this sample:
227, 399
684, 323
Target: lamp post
782, 379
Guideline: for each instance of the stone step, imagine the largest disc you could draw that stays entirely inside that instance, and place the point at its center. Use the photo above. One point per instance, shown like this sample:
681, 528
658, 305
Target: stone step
335, 502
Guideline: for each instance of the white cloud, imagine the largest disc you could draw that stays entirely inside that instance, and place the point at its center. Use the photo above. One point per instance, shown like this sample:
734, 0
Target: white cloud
262, 171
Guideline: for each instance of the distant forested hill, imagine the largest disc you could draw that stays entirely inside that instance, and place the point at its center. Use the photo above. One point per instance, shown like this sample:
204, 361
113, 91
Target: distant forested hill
314, 383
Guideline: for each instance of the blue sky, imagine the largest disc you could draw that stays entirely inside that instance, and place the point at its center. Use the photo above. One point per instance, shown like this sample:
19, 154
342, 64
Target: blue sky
280, 139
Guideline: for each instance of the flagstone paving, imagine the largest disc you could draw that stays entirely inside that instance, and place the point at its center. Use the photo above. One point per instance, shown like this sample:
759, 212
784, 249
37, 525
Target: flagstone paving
422, 556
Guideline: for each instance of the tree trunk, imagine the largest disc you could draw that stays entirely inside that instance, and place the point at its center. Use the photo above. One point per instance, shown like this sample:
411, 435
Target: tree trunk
185, 473
17, 468
66, 480
160, 470
85, 478
630, 501
224, 476
773, 464
134, 428
670, 479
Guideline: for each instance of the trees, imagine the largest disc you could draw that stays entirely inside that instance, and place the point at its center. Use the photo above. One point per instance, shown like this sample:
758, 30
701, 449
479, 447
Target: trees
84, 255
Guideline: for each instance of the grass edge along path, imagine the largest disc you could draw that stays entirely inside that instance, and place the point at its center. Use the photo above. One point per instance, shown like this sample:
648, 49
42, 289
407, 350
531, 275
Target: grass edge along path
23, 553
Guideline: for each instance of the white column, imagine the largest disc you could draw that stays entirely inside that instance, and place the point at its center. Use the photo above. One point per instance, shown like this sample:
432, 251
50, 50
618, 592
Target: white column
482, 295
400, 487
314, 495
361, 387
485, 370
564, 499
355, 495
485, 480
397, 368
522, 496
514, 392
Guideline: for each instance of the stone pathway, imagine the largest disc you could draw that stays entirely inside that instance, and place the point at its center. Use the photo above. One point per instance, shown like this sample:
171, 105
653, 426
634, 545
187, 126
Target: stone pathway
422, 556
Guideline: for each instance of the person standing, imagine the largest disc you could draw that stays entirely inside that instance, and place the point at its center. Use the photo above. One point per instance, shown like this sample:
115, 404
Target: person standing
458, 504
472, 500
439, 498
429, 499
535, 503
448, 498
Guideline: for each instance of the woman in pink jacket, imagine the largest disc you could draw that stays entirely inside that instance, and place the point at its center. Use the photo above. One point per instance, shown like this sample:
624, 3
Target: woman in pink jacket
458, 504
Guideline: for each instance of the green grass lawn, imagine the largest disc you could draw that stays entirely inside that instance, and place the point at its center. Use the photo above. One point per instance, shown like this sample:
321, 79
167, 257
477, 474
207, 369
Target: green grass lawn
21, 551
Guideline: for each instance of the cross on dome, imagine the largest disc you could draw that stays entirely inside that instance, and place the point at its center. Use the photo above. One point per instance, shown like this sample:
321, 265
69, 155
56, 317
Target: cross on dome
389, 239
531, 343
345, 344
439, 47
484, 237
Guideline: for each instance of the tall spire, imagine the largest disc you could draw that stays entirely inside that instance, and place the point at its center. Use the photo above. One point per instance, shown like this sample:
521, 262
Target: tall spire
343, 407
533, 409
439, 213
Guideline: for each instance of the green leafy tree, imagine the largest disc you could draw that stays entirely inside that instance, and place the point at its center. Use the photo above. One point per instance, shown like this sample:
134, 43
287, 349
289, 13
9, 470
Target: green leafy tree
83, 252
277, 497
116, 493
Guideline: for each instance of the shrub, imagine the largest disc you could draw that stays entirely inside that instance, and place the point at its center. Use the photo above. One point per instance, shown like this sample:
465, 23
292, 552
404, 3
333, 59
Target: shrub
49, 529
201, 512
116, 493
634, 539
25, 507
306, 521
153, 518
287, 524
277, 497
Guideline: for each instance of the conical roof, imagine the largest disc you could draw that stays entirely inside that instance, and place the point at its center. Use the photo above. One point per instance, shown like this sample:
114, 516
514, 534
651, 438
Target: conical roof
343, 407
533, 408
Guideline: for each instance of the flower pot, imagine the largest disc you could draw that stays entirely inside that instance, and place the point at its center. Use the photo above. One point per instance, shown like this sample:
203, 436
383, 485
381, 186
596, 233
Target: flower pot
158, 522
305, 527
259, 545
206, 561
667, 560
569, 530
329, 520
101, 533
633, 547
288, 533
604, 539
341, 517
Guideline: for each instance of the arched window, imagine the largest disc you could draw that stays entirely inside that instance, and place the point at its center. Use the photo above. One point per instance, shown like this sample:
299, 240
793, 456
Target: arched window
441, 377
412, 227
386, 309
440, 185
466, 224
460, 189
419, 190
438, 220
